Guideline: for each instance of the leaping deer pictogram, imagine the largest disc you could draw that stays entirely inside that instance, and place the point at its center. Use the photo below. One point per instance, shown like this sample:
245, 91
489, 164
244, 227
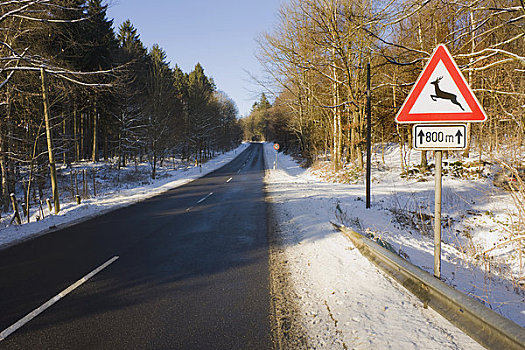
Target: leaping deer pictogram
444, 95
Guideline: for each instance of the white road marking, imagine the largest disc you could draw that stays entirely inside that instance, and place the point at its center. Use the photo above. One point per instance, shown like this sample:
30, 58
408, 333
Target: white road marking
229, 179
10, 330
203, 199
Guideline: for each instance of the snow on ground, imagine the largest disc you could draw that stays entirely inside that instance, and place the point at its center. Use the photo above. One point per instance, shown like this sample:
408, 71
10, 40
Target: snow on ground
348, 303
345, 301
134, 185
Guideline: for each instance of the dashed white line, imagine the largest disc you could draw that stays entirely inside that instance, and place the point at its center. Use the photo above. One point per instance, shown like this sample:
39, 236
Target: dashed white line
10, 330
203, 199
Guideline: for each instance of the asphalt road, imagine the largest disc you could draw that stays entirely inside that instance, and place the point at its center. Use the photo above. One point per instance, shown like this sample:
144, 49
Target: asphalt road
191, 273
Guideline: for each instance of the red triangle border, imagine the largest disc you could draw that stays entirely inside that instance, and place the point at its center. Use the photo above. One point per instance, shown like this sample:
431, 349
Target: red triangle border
441, 54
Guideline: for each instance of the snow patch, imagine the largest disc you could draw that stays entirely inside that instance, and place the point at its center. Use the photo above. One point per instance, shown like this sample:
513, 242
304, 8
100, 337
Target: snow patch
346, 301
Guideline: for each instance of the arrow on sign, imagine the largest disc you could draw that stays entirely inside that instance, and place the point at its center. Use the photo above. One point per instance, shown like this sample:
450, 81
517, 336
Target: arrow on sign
459, 135
421, 135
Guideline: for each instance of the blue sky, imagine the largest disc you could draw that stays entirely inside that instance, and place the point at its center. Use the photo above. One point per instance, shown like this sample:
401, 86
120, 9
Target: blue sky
218, 34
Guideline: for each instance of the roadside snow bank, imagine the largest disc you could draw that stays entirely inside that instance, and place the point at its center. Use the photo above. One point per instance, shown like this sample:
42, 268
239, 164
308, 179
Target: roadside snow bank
347, 302
110, 197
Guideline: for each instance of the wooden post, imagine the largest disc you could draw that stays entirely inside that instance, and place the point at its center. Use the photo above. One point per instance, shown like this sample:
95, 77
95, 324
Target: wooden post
437, 215
15, 209
71, 181
76, 182
94, 183
42, 210
25, 207
84, 183
49, 205
52, 166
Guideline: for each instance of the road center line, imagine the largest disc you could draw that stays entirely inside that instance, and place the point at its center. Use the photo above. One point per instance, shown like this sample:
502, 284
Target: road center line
10, 330
203, 199
229, 179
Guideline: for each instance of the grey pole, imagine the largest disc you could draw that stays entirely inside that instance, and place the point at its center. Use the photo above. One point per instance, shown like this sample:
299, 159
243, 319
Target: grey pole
368, 136
437, 216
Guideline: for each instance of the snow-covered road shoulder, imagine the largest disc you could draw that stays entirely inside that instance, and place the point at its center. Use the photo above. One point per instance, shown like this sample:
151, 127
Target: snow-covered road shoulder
110, 200
345, 301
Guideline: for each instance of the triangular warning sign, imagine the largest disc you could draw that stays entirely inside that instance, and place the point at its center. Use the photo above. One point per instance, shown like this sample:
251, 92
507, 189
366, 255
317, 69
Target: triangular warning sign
441, 94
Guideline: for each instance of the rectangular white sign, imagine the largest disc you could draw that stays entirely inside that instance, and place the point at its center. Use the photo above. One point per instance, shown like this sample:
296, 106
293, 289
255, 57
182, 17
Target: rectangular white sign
440, 137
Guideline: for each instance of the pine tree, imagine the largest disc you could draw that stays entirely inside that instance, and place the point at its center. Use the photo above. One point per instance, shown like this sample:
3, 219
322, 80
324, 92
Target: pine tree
200, 91
99, 38
161, 106
101, 50
131, 92
263, 103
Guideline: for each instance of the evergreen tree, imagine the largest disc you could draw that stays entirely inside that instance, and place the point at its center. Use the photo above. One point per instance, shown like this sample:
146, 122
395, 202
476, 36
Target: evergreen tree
263, 103
200, 91
131, 92
257, 124
200, 87
102, 48
129, 40
99, 37
161, 106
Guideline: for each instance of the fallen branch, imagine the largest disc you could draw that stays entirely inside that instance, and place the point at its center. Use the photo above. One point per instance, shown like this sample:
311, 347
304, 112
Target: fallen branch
500, 245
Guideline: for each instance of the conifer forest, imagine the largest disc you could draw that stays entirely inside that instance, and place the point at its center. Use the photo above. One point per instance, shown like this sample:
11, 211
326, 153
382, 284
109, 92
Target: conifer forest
74, 89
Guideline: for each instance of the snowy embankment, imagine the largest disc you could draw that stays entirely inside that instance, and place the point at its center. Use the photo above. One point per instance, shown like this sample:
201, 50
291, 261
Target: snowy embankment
344, 300
111, 195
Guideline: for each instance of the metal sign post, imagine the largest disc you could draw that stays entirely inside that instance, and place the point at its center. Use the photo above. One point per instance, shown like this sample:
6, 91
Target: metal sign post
438, 138
276, 147
437, 214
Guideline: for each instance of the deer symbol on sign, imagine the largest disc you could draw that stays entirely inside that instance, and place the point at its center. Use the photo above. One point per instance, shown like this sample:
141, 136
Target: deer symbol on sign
444, 95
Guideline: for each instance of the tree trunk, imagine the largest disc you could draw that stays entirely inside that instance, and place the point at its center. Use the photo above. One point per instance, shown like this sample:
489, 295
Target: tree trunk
337, 122
82, 135
424, 162
64, 141
8, 147
5, 189
94, 157
105, 146
354, 136
466, 152
75, 134
401, 148
52, 166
